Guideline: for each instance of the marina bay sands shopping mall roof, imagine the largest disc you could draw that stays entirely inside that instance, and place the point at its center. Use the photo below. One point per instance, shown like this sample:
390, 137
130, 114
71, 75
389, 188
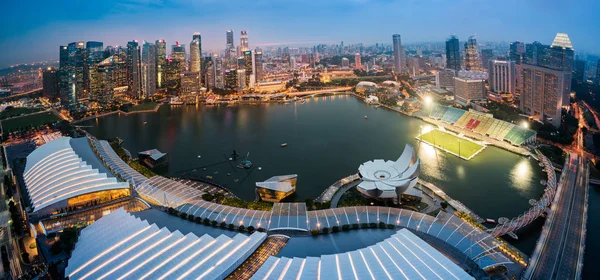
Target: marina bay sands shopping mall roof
64, 169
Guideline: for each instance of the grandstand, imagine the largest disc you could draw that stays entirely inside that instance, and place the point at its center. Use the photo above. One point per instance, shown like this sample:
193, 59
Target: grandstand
483, 124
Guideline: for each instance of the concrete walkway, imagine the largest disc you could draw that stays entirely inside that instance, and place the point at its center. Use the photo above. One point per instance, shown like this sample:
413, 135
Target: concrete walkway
336, 197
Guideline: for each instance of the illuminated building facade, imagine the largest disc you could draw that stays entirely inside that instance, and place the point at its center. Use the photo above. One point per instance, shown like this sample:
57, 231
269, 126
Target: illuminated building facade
453, 54
195, 53
102, 81
542, 93
357, 62
149, 69
502, 76
161, 63
466, 90
178, 54
50, 83
277, 188
134, 69
244, 41
399, 54
249, 69
471, 55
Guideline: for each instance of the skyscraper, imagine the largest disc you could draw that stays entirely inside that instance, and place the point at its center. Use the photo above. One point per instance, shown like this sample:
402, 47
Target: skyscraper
399, 56
345, 62
77, 59
516, 52
486, 56
64, 57
197, 38
195, 56
249, 69
103, 80
579, 70
149, 69
542, 93
178, 54
94, 54
453, 54
258, 66
502, 76
50, 83
357, 62
134, 69
471, 55
230, 52
467, 89
243, 41
229, 35
598, 72
161, 63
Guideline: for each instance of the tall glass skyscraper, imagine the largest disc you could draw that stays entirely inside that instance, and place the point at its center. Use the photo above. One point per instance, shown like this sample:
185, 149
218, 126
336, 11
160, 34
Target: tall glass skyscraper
453, 54
471, 55
178, 54
134, 78
399, 55
244, 41
161, 63
195, 53
149, 69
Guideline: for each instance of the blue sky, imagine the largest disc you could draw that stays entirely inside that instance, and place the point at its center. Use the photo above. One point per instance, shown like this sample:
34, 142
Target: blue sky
32, 30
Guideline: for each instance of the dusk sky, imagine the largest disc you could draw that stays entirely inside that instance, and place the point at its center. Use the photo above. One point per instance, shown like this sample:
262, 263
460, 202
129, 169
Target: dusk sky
33, 30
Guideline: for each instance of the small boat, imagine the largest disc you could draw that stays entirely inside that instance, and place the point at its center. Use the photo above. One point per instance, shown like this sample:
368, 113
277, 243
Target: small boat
230, 158
209, 177
259, 168
204, 169
284, 145
228, 174
145, 123
366, 117
490, 221
199, 156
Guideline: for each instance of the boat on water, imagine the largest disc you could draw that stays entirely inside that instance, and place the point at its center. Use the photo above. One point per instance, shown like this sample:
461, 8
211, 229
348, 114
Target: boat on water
245, 163
366, 117
209, 177
284, 145
175, 101
490, 221
145, 123
199, 156
259, 168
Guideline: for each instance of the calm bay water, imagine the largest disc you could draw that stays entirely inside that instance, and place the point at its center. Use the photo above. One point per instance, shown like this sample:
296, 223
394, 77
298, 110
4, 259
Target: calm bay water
328, 138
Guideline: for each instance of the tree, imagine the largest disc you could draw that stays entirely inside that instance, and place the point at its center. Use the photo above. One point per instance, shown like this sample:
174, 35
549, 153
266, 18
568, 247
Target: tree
355, 226
214, 223
242, 228
261, 229
183, 215
314, 232
206, 221
325, 230
335, 229
231, 226
223, 224
250, 229
381, 225
444, 205
345, 227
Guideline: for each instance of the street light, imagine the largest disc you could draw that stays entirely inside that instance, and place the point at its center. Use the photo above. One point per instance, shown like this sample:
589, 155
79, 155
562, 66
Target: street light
525, 124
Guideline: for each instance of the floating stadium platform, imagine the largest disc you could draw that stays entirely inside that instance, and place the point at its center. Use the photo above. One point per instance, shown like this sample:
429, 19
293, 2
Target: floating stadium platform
483, 124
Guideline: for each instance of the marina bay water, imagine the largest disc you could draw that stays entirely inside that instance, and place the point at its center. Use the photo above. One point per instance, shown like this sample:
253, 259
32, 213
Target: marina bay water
328, 138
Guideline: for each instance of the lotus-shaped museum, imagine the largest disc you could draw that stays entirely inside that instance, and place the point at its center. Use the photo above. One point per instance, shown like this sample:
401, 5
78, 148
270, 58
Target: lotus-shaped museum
389, 179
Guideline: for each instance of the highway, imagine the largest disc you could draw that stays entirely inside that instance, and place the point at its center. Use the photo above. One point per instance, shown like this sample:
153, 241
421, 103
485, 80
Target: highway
559, 252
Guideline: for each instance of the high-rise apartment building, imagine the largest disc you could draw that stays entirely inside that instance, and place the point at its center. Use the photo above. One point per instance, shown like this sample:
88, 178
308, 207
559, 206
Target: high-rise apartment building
161, 63
471, 55
542, 93
357, 62
243, 41
134, 69
502, 76
399, 54
149, 69
453, 54
445, 79
345, 63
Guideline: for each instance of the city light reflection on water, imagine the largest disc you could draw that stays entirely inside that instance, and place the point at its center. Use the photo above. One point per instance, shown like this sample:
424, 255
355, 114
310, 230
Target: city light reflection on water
520, 176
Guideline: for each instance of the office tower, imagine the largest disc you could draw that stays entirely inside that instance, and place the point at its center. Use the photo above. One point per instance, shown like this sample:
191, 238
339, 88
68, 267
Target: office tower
134, 69
209, 73
542, 93
471, 55
195, 56
598, 72
258, 66
149, 69
445, 79
399, 54
486, 56
249, 68
50, 83
242, 77
178, 54
579, 70
161, 63
77, 52
453, 54
218, 72
229, 38
357, 62
243, 41
230, 76
120, 69
94, 54
293, 63
102, 82
516, 52
467, 90
64, 57
172, 75
189, 83
502, 76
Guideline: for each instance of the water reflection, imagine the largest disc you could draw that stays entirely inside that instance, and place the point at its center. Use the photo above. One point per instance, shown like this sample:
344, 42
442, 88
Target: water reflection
521, 175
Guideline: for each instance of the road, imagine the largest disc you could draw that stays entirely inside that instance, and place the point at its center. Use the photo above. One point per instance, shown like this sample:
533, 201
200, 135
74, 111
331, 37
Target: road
559, 252
310, 92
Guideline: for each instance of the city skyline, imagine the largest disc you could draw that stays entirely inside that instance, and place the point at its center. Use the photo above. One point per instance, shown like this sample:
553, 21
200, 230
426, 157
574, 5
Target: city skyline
117, 22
